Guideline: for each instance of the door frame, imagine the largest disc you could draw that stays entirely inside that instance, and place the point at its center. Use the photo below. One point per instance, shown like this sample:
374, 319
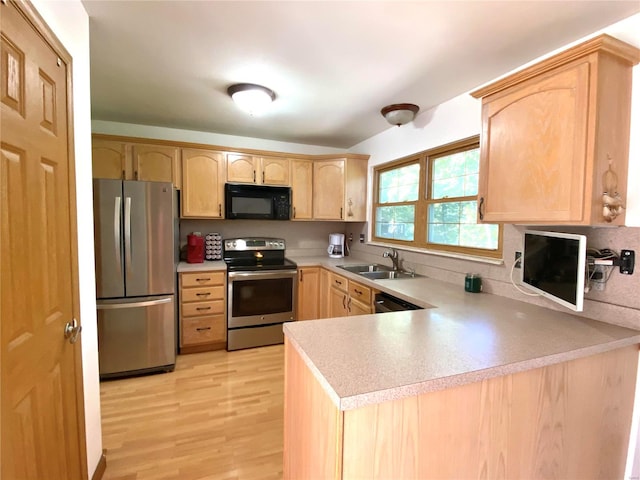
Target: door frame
33, 17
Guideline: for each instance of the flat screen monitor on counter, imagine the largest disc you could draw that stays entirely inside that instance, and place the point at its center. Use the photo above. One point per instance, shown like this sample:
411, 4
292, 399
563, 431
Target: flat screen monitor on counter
553, 265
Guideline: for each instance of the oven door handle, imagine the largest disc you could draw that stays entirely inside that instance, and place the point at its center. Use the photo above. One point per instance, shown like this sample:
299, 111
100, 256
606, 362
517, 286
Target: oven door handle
262, 275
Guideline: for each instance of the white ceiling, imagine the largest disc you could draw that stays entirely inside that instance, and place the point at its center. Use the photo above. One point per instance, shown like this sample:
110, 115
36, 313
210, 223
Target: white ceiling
332, 64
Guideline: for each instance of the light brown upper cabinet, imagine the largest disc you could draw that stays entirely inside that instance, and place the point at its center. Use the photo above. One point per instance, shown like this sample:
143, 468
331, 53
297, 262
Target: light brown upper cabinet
156, 163
555, 137
118, 159
340, 189
203, 174
302, 189
111, 159
258, 170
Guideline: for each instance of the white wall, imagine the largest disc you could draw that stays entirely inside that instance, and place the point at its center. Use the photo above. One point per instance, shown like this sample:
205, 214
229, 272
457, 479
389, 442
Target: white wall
70, 23
207, 138
460, 118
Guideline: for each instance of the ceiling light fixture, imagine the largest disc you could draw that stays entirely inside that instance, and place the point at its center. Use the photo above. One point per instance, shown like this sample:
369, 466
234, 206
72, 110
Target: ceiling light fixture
400, 113
253, 99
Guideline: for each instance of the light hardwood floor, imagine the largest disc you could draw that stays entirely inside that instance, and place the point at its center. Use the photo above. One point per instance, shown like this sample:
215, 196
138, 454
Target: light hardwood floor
218, 416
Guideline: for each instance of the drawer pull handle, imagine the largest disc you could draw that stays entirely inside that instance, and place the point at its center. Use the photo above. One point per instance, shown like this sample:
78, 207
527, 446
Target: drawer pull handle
202, 329
338, 282
203, 279
359, 292
203, 294
203, 308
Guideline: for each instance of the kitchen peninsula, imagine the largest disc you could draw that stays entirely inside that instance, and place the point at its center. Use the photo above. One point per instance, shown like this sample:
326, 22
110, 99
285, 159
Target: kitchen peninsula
479, 386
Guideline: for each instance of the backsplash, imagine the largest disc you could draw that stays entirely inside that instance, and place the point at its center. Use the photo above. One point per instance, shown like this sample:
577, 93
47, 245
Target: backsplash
618, 304
302, 238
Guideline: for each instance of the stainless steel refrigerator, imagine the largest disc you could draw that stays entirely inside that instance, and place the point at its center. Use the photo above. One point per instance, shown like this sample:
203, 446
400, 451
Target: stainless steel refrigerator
135, 225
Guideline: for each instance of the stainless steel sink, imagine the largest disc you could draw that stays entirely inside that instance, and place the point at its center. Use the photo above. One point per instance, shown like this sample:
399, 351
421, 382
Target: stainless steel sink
375, 271
388, 275
371, 267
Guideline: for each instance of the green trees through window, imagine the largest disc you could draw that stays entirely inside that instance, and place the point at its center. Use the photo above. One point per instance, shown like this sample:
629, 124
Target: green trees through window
430, 200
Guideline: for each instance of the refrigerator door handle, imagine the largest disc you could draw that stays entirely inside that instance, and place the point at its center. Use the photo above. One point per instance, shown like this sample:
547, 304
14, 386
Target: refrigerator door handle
117, 216
127, 233
146, 303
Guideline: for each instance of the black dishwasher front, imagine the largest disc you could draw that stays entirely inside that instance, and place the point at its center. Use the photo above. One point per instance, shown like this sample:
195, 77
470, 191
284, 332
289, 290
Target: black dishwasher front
388, 303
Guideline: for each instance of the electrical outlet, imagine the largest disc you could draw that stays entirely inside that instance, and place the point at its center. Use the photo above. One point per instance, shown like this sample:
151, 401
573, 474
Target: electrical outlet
362, 238
518, 259
627, 261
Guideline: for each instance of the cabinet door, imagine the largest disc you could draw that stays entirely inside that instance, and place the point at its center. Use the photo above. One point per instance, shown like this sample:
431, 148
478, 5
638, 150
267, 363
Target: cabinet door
241, 168
156, 163
302, 189
324, 290
202, 183
337, 303
109, 160
308, 293
275, 171
355, 307
533, 152
355, 196
328, 190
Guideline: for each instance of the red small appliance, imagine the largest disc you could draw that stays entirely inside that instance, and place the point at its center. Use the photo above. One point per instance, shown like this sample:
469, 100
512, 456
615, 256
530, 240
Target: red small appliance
195, 248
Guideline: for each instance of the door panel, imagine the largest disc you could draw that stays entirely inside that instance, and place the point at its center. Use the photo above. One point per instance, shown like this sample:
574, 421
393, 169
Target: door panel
108, 228
148, 238
41, 392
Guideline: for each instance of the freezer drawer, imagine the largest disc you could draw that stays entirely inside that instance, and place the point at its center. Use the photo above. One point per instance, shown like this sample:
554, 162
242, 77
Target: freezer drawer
136, 335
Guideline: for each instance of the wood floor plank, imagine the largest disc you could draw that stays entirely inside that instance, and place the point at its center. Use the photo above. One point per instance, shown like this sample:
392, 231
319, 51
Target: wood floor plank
219, 415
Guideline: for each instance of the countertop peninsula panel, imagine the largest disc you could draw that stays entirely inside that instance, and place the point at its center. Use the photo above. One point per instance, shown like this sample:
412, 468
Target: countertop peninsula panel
466, 337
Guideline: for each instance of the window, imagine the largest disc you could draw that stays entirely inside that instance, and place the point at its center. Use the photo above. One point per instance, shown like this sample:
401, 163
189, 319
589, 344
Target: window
430, 201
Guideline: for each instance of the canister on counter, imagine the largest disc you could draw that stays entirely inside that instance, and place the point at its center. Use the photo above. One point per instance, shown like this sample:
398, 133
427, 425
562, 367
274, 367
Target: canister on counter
473, 283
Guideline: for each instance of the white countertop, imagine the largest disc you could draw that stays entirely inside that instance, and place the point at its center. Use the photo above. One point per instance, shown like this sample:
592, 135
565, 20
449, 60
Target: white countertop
466, 338
184, 267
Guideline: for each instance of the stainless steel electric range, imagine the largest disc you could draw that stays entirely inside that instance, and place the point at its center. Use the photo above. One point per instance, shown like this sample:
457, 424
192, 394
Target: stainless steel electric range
262, 291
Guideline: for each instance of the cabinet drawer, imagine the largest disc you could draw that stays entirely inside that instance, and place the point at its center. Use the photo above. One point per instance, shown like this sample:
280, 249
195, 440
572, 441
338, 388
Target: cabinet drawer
209, 329
202, 308
202, 294
359, 292
201, 279
338, 281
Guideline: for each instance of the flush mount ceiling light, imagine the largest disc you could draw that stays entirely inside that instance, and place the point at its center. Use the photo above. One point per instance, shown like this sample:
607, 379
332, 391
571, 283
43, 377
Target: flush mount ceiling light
253, 99
399, 113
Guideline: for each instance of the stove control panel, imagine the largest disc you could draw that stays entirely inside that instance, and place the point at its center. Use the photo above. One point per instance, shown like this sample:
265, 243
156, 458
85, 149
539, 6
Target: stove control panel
253, 243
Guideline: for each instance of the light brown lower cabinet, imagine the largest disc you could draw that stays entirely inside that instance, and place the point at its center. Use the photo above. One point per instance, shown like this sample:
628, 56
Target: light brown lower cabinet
203, 320
308, 293
570, 420
348, 297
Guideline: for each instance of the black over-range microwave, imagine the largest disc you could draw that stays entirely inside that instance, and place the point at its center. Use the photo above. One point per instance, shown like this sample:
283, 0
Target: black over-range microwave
257, 202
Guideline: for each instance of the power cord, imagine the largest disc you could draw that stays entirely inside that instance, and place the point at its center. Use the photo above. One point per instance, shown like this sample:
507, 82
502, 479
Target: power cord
513, 267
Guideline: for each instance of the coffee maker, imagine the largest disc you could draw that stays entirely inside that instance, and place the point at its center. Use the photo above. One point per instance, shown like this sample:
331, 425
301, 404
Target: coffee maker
336, 245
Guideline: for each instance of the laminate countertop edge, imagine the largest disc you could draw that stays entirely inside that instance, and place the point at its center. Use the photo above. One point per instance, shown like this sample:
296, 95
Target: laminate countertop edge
465, 338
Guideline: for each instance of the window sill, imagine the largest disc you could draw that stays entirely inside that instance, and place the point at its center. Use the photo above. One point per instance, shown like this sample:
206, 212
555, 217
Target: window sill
439, 253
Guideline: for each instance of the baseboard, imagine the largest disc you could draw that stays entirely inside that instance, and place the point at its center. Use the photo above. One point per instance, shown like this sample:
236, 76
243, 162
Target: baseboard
102, 466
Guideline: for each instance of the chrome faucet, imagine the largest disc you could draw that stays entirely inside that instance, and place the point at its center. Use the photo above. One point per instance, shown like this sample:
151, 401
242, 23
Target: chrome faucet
393, 255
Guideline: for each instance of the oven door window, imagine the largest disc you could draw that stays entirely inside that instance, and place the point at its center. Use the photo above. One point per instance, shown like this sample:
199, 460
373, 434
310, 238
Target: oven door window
262, 297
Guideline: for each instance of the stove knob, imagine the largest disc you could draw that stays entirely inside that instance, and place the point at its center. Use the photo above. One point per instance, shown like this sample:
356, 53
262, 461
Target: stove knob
234, 243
